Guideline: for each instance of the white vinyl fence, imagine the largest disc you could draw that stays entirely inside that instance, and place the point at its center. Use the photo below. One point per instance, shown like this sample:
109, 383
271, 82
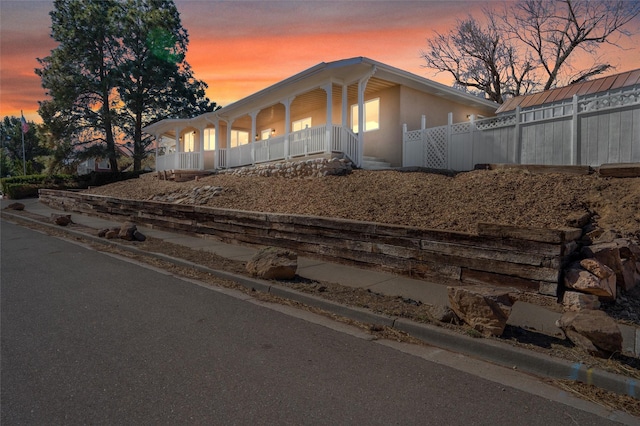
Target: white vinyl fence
586, 130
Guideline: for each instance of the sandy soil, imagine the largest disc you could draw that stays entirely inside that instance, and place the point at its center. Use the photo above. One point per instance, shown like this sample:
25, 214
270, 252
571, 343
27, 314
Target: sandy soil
419, 199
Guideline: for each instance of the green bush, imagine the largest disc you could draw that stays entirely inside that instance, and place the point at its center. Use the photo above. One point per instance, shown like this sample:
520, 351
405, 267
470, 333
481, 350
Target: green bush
104, 178
28, 186
15, 191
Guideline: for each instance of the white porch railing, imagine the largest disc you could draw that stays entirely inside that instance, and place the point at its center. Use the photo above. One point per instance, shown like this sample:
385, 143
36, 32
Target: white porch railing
301, 143
345, 141
308, 141
269, 150
179, 161
239, 156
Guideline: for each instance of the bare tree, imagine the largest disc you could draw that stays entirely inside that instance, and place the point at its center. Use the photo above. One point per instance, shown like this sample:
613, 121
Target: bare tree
529, 45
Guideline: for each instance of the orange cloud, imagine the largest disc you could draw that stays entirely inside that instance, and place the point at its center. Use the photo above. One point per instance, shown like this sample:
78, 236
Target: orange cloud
238, 48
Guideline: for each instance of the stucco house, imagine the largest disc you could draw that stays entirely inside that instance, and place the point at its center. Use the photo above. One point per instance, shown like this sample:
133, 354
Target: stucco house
353, 107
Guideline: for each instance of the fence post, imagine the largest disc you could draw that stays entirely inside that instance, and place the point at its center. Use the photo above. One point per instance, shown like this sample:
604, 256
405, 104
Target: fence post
517, 140
574, 131
449, 124
472, 126
404, 144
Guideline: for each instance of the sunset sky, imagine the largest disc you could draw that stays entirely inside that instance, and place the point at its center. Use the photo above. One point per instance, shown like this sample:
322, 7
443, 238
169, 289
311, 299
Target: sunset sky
240, 47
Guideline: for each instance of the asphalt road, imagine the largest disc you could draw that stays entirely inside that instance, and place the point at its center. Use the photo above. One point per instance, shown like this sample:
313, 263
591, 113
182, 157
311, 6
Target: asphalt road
88, 338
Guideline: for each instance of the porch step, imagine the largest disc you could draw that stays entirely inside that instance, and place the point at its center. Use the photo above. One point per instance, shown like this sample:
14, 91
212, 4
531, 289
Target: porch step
374, 163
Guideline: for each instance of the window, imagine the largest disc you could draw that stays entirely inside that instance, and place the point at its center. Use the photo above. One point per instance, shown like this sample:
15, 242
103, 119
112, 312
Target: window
371, 116
266, 134
239, 137
189, 139
209, 139
301, 124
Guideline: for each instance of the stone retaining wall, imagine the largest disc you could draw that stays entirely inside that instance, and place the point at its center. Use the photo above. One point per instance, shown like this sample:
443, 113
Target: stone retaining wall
315, 167
528, 259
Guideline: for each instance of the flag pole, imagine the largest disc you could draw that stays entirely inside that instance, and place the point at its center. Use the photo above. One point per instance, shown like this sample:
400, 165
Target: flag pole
23, 127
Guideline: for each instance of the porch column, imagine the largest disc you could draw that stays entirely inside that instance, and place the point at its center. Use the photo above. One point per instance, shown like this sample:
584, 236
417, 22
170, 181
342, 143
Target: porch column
229, 124
345, 106
362, 85
178, 130
157, 138
201, 162
176, 161
216, 144
253, 116
329, 89
287, 124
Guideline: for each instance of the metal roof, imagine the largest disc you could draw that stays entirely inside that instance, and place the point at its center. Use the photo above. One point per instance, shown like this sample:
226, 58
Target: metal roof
611, 82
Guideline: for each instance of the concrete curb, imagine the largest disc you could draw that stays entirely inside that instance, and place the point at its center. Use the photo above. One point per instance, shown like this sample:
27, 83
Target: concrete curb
493, 351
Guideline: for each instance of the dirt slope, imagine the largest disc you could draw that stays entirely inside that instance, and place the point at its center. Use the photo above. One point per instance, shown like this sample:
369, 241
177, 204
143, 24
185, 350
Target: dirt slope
420, 199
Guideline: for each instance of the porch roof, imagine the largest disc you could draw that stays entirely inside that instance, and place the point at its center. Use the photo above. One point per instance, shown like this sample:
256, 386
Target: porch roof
345, 71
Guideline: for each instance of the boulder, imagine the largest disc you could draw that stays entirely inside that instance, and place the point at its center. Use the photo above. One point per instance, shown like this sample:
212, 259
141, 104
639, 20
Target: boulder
608, 254
273, 263
127, 231
111, 234
138, 236
61, 219
575, 301
486, 309
602, 283
15, 206
630, 275
594, 331
442, 313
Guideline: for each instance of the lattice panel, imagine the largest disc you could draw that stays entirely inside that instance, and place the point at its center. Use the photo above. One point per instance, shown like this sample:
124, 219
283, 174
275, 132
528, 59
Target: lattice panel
611, 101
460, 128
495, 122
413, 136
435, 149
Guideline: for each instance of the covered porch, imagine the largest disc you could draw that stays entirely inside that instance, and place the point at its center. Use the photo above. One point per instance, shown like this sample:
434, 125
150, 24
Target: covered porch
295, 118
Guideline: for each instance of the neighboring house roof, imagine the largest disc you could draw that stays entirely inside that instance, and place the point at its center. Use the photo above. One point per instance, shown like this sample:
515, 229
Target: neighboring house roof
345, 71
612, 82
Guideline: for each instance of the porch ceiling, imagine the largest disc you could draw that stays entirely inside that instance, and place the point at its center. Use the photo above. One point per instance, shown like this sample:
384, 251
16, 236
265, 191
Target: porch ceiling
311, 101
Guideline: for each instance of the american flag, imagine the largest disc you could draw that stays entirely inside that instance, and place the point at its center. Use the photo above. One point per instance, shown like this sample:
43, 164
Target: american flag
25, 126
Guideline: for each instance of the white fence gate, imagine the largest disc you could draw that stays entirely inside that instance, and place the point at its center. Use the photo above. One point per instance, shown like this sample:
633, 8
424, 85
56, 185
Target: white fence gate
586, 130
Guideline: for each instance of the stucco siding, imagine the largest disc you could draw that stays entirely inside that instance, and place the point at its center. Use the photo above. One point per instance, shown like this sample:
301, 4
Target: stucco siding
414, 104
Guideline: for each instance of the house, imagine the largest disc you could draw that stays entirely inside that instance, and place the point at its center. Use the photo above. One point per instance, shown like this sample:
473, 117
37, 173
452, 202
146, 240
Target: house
585, 124
93, 164
353, 107
98, 164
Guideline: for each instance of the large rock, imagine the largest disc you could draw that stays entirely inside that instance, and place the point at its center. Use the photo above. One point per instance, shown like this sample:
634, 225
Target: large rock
442, 314
630, 274
630, 261
607, 254
575, 301
486, 309
127, 231
273, 263
594, 331
61, 219
592, 277
15, 206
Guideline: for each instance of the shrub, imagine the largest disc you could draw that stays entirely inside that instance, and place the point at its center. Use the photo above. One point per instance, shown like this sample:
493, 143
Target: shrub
28, 186
15, 191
